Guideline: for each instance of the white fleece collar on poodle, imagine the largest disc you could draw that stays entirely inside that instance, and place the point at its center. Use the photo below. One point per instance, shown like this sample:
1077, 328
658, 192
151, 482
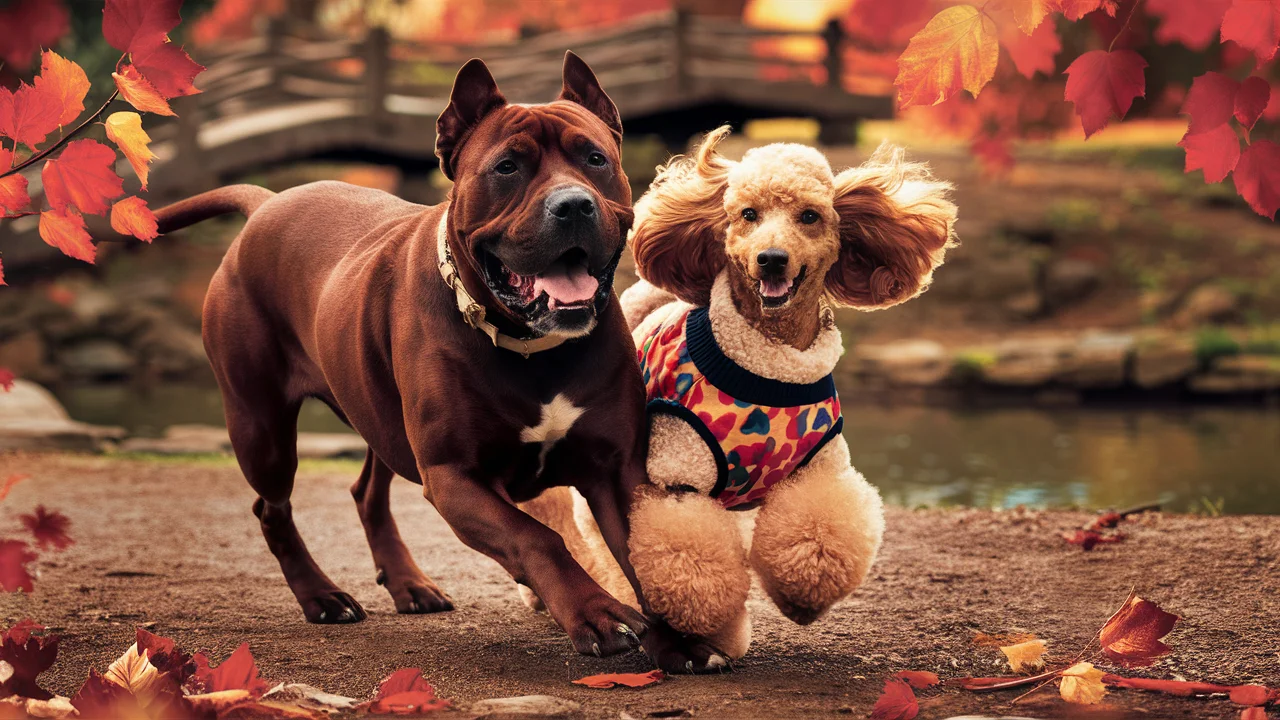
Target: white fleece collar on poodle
756, 353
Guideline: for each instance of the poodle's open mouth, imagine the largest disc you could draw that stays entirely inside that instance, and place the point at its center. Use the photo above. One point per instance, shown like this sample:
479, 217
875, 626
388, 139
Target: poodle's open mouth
777, 292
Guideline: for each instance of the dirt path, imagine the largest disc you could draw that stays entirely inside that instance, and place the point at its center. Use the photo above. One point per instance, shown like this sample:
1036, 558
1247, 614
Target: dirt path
173, 543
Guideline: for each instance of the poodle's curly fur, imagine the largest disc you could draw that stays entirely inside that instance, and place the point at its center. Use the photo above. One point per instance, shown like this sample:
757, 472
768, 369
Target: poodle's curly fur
881, 230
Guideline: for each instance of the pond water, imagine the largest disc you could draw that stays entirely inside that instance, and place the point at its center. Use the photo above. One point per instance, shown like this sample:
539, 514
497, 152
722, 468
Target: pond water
1186, 459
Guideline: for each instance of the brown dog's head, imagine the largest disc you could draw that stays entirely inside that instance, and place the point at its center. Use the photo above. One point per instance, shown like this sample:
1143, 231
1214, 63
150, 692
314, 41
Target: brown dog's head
539, 197
790, 231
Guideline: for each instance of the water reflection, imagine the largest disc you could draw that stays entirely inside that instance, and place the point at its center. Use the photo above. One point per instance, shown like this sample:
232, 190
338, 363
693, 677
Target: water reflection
935, 456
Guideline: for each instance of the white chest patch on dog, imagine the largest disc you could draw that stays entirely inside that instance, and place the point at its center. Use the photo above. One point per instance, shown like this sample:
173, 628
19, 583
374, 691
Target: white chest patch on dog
557, 417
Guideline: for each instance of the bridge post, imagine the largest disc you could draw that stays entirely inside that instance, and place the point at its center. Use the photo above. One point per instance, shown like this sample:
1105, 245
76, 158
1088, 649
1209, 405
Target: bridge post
836, 131
277, 28
377, 74
189, 160
680, 49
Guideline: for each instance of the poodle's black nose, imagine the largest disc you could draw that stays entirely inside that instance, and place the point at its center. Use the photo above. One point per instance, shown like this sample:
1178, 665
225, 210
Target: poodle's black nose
773, 261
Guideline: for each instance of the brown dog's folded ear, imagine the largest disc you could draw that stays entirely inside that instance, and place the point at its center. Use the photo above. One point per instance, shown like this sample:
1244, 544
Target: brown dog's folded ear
475, 94
896, 223
582, 87
678, 237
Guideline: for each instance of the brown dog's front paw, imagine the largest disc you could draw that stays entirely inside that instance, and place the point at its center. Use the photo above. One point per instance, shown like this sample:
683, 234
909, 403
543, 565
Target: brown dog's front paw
607, 627
415, 594
331, 607
676, 652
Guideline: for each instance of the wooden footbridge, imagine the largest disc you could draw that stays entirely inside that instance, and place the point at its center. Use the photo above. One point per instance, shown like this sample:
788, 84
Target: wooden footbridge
286, 96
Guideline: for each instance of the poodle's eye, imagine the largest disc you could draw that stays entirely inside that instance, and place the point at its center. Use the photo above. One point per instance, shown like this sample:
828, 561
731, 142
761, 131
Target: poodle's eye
506, 167
749, 214
596, 159
809, 217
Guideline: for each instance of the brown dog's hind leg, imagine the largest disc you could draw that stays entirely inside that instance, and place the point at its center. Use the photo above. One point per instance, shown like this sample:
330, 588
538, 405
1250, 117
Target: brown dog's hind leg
410, 588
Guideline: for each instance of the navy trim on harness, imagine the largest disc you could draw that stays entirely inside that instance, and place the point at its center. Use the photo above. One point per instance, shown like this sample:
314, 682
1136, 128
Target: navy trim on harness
832, 431
742, 384
675, 409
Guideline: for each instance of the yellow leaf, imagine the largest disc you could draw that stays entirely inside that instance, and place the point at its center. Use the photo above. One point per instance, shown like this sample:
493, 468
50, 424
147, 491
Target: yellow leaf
135, 673
956, 50
1082, 684
125, 130
65, 81
1030, 13
1027, 655
131, 216
140, 93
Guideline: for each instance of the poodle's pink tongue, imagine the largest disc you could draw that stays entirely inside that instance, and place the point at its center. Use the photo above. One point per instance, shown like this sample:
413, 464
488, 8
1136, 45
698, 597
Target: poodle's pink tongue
566, 285
774, 288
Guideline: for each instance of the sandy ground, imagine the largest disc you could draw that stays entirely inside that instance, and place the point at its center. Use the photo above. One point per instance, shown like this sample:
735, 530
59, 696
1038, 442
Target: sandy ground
173, 543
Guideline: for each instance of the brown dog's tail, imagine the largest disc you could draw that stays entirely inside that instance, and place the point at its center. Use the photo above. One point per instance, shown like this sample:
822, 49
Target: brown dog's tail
243, 199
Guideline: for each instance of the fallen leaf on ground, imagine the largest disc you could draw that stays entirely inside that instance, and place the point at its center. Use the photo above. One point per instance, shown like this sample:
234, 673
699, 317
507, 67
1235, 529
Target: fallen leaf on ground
1088, 539
14, 557
613, 680
1239, 694
989, 684
164, 654
27, 655
237, 672
897, 702
1131, 637
1253, 713
405, 692
1029, 655
918, 679
12, 480
135, 673
983, 639
1082, 684
55, 707
48, 528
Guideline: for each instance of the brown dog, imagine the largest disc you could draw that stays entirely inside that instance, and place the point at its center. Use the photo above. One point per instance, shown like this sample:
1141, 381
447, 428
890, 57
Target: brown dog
366, 302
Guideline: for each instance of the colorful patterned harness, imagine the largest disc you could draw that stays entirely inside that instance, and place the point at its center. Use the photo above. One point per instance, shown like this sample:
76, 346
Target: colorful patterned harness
759, 430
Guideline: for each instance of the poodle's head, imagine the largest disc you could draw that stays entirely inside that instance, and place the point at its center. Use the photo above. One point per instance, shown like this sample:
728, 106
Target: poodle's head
790, 231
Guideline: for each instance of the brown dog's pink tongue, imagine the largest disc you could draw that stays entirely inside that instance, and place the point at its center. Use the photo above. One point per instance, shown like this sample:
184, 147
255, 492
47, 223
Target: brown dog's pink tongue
566, 285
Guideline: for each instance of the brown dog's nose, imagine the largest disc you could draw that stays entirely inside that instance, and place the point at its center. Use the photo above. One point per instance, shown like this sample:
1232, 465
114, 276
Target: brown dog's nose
773, 261
568, 205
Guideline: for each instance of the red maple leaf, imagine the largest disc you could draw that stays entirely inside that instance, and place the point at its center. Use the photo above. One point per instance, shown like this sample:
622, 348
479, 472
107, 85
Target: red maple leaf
1252, 695
1088, 539
168, 68
1210, 101
28, 26
14, 557
166, 656
82, 176
1031, 53
1257, 177
1252, 100
993, 153
1216, 152
98, 697
1254, 25
918, 679
1102, 84
49, 528
29, 655
129, 24
1193, 23
405, 692
897, 702
1131, 637
6, 384
238, 672
13, 190
28, 115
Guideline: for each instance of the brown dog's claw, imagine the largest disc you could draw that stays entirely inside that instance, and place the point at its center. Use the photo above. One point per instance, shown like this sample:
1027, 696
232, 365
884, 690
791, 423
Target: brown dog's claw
595, 648
632, 638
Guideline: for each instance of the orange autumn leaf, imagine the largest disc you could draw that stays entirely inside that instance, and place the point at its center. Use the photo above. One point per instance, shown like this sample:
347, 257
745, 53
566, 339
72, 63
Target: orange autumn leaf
918, 679
956, 50
613, 680
131, 216
405, 692
66, 82
125, 130
983, 639
896, 702
13, 189
1131, 637
140, 93
237, 672
1253, 713
64, 230
6, 384
82, 176
1028, 14
27, 115
1028, 655
1082, 684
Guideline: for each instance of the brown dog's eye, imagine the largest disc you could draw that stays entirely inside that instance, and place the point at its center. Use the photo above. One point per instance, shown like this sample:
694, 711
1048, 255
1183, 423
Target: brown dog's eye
596, 159
749, 214
506, 167
809, 217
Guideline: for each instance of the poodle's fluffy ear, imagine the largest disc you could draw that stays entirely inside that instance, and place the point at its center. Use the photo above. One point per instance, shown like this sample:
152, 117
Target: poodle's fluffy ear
678, 237
896, 223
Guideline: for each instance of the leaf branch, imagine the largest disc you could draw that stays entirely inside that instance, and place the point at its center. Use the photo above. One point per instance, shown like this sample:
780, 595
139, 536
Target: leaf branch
64, 139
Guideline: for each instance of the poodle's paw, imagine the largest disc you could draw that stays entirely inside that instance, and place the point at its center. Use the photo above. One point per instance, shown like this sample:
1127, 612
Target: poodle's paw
531, 599
734, 639
677, 652
815, 540
688, 554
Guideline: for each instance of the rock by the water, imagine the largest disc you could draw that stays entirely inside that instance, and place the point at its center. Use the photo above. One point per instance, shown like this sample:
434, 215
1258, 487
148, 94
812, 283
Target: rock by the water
1163, 360
906, 362
1240, 374
32, 419
1069, 280
182, 440
96, 360
1207, 304
1098, 360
